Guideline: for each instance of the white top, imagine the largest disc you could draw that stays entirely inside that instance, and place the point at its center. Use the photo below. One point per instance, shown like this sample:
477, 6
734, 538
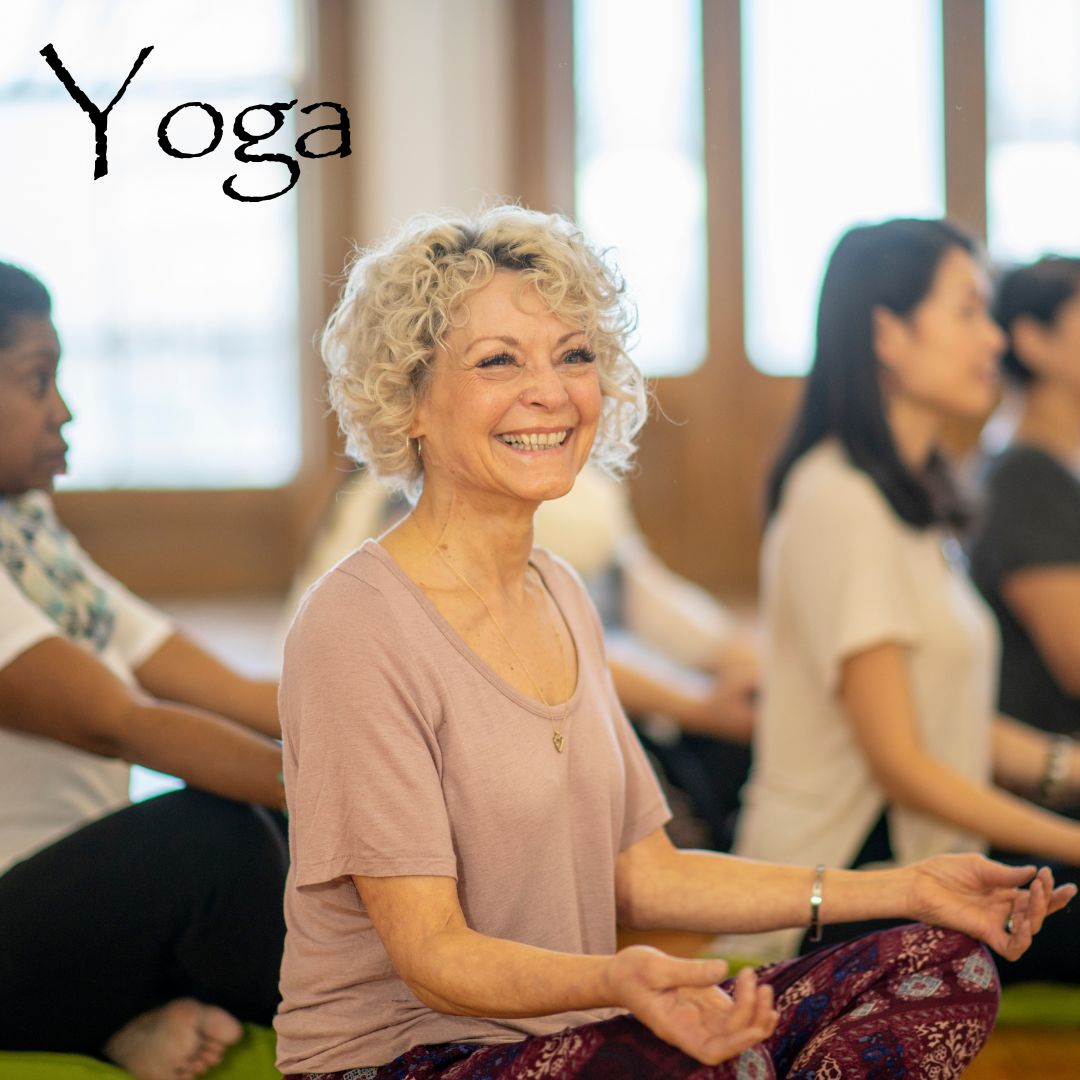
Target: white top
841, 573
49, 587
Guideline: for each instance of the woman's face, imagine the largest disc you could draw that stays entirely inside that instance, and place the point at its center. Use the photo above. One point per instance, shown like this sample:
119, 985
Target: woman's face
513, 399
32, 412
944, 356
1053, 352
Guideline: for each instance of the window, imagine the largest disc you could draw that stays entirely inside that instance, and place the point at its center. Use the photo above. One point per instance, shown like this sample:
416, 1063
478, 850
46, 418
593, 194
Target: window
842, 123
1033, 128
640, 173
180, 351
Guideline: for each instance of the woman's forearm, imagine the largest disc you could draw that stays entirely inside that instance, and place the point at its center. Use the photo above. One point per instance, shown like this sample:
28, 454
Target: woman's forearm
206, 751
1004, 820
1022, 756
463, 972
181, 670
659, 886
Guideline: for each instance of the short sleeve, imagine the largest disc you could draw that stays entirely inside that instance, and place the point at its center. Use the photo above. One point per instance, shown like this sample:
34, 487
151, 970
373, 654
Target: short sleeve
838, 566
139, 630
1030, 517
646, 808
22, 623
362, 760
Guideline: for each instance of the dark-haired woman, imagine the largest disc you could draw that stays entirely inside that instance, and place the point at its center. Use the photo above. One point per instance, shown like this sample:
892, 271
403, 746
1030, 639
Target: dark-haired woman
143, 933
879, 739
1025, 548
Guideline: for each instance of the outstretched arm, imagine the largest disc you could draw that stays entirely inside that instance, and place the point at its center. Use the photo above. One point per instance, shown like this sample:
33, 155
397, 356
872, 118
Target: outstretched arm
658, 885
1046, 602
877, 698
58, 691
180, 670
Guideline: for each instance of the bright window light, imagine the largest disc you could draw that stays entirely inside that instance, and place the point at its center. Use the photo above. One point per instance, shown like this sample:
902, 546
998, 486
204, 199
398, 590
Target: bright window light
176, 305
640, 174
1033, 128
842, 124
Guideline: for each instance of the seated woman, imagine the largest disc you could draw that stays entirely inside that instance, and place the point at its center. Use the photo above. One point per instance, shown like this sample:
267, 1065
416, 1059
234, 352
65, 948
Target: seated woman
141, 934
469, 810
1025, 547
879, 738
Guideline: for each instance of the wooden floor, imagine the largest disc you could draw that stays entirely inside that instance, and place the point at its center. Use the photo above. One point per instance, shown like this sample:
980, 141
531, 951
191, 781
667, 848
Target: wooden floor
1013, 1053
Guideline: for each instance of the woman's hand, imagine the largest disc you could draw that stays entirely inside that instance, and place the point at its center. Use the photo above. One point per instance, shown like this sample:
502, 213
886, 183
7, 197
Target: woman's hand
986, 899
679, 1001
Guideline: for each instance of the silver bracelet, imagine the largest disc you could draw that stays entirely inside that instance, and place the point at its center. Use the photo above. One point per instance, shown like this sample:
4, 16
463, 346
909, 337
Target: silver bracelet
1057, 769
816, 891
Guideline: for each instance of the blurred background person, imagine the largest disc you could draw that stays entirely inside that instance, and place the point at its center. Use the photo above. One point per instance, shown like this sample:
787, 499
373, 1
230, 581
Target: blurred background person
880, 740
1025, 543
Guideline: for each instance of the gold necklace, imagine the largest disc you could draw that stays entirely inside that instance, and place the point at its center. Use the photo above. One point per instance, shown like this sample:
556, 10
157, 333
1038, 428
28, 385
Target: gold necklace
558, 739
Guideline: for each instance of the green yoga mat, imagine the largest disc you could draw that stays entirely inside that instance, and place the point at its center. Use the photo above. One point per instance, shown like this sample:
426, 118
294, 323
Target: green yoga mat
250, 1059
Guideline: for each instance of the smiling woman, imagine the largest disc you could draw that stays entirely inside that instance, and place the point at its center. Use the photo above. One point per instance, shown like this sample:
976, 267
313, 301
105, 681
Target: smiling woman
470, 811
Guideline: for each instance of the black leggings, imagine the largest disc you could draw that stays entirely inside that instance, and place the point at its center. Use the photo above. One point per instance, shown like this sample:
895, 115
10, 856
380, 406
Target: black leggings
179, 896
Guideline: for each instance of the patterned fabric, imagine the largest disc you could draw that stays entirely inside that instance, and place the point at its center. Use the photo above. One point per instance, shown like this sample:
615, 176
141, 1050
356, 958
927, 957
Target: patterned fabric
913, 1002
44, 561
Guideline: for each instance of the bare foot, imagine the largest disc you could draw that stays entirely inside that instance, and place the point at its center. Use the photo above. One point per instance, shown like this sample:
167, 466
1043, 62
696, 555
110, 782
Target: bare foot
179, 1041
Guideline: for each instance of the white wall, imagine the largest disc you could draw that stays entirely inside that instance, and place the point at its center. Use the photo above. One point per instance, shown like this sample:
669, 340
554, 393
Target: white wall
431, 88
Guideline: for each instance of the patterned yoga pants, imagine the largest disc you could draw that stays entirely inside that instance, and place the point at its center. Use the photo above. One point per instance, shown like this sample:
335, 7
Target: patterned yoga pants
914, 1001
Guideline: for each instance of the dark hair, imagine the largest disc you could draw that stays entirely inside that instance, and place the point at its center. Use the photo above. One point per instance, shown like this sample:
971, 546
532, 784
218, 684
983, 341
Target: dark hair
1036, 292
891, 265
21, 295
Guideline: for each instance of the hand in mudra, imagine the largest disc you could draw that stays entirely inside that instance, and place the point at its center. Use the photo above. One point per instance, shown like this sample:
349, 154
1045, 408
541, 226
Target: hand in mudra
1002, 905
679, 1001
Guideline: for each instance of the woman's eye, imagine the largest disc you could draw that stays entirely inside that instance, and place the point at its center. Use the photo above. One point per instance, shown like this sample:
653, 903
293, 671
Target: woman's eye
580, 356
496, 361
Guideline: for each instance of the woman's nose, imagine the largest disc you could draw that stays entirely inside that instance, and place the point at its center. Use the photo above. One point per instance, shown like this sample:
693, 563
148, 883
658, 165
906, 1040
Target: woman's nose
544, 386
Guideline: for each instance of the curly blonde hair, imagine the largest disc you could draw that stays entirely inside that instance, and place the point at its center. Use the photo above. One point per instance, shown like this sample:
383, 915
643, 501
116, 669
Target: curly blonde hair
402, 296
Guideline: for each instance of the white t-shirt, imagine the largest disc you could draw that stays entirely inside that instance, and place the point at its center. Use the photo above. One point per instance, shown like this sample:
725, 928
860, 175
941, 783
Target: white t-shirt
49, 587
841, 573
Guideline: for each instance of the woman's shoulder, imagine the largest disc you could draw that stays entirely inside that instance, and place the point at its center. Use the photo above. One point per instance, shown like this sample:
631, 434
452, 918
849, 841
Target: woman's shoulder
1020, 467
825, 482
358, 590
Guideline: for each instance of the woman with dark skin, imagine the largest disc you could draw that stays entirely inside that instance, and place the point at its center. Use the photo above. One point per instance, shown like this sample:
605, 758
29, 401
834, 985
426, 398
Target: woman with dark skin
145, 933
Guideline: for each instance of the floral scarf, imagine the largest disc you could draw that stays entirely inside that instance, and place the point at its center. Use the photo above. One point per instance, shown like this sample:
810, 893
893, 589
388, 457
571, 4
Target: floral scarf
44, 560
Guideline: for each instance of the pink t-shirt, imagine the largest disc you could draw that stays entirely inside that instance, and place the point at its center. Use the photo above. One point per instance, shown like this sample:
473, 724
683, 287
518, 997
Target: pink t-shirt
405, 754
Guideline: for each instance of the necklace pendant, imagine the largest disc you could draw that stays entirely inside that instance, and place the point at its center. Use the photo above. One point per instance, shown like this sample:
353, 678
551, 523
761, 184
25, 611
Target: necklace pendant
558, 741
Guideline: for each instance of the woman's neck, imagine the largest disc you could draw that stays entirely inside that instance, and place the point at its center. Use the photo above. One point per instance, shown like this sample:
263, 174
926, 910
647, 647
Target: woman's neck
915, 431
488, 545
1051, 420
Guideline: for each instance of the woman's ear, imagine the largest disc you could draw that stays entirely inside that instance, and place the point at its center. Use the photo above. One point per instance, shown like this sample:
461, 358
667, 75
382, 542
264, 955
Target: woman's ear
890, 335
1031, 342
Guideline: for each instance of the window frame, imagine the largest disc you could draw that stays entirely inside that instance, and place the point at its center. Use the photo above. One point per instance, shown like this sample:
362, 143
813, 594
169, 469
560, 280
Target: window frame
236, 541
729, 417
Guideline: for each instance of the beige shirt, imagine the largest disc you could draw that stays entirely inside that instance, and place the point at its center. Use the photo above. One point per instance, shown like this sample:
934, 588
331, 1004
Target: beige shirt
841, 572
405, 754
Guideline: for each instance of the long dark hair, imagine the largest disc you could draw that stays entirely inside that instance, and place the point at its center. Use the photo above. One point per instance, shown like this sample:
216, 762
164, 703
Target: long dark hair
21, 295
891, 265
